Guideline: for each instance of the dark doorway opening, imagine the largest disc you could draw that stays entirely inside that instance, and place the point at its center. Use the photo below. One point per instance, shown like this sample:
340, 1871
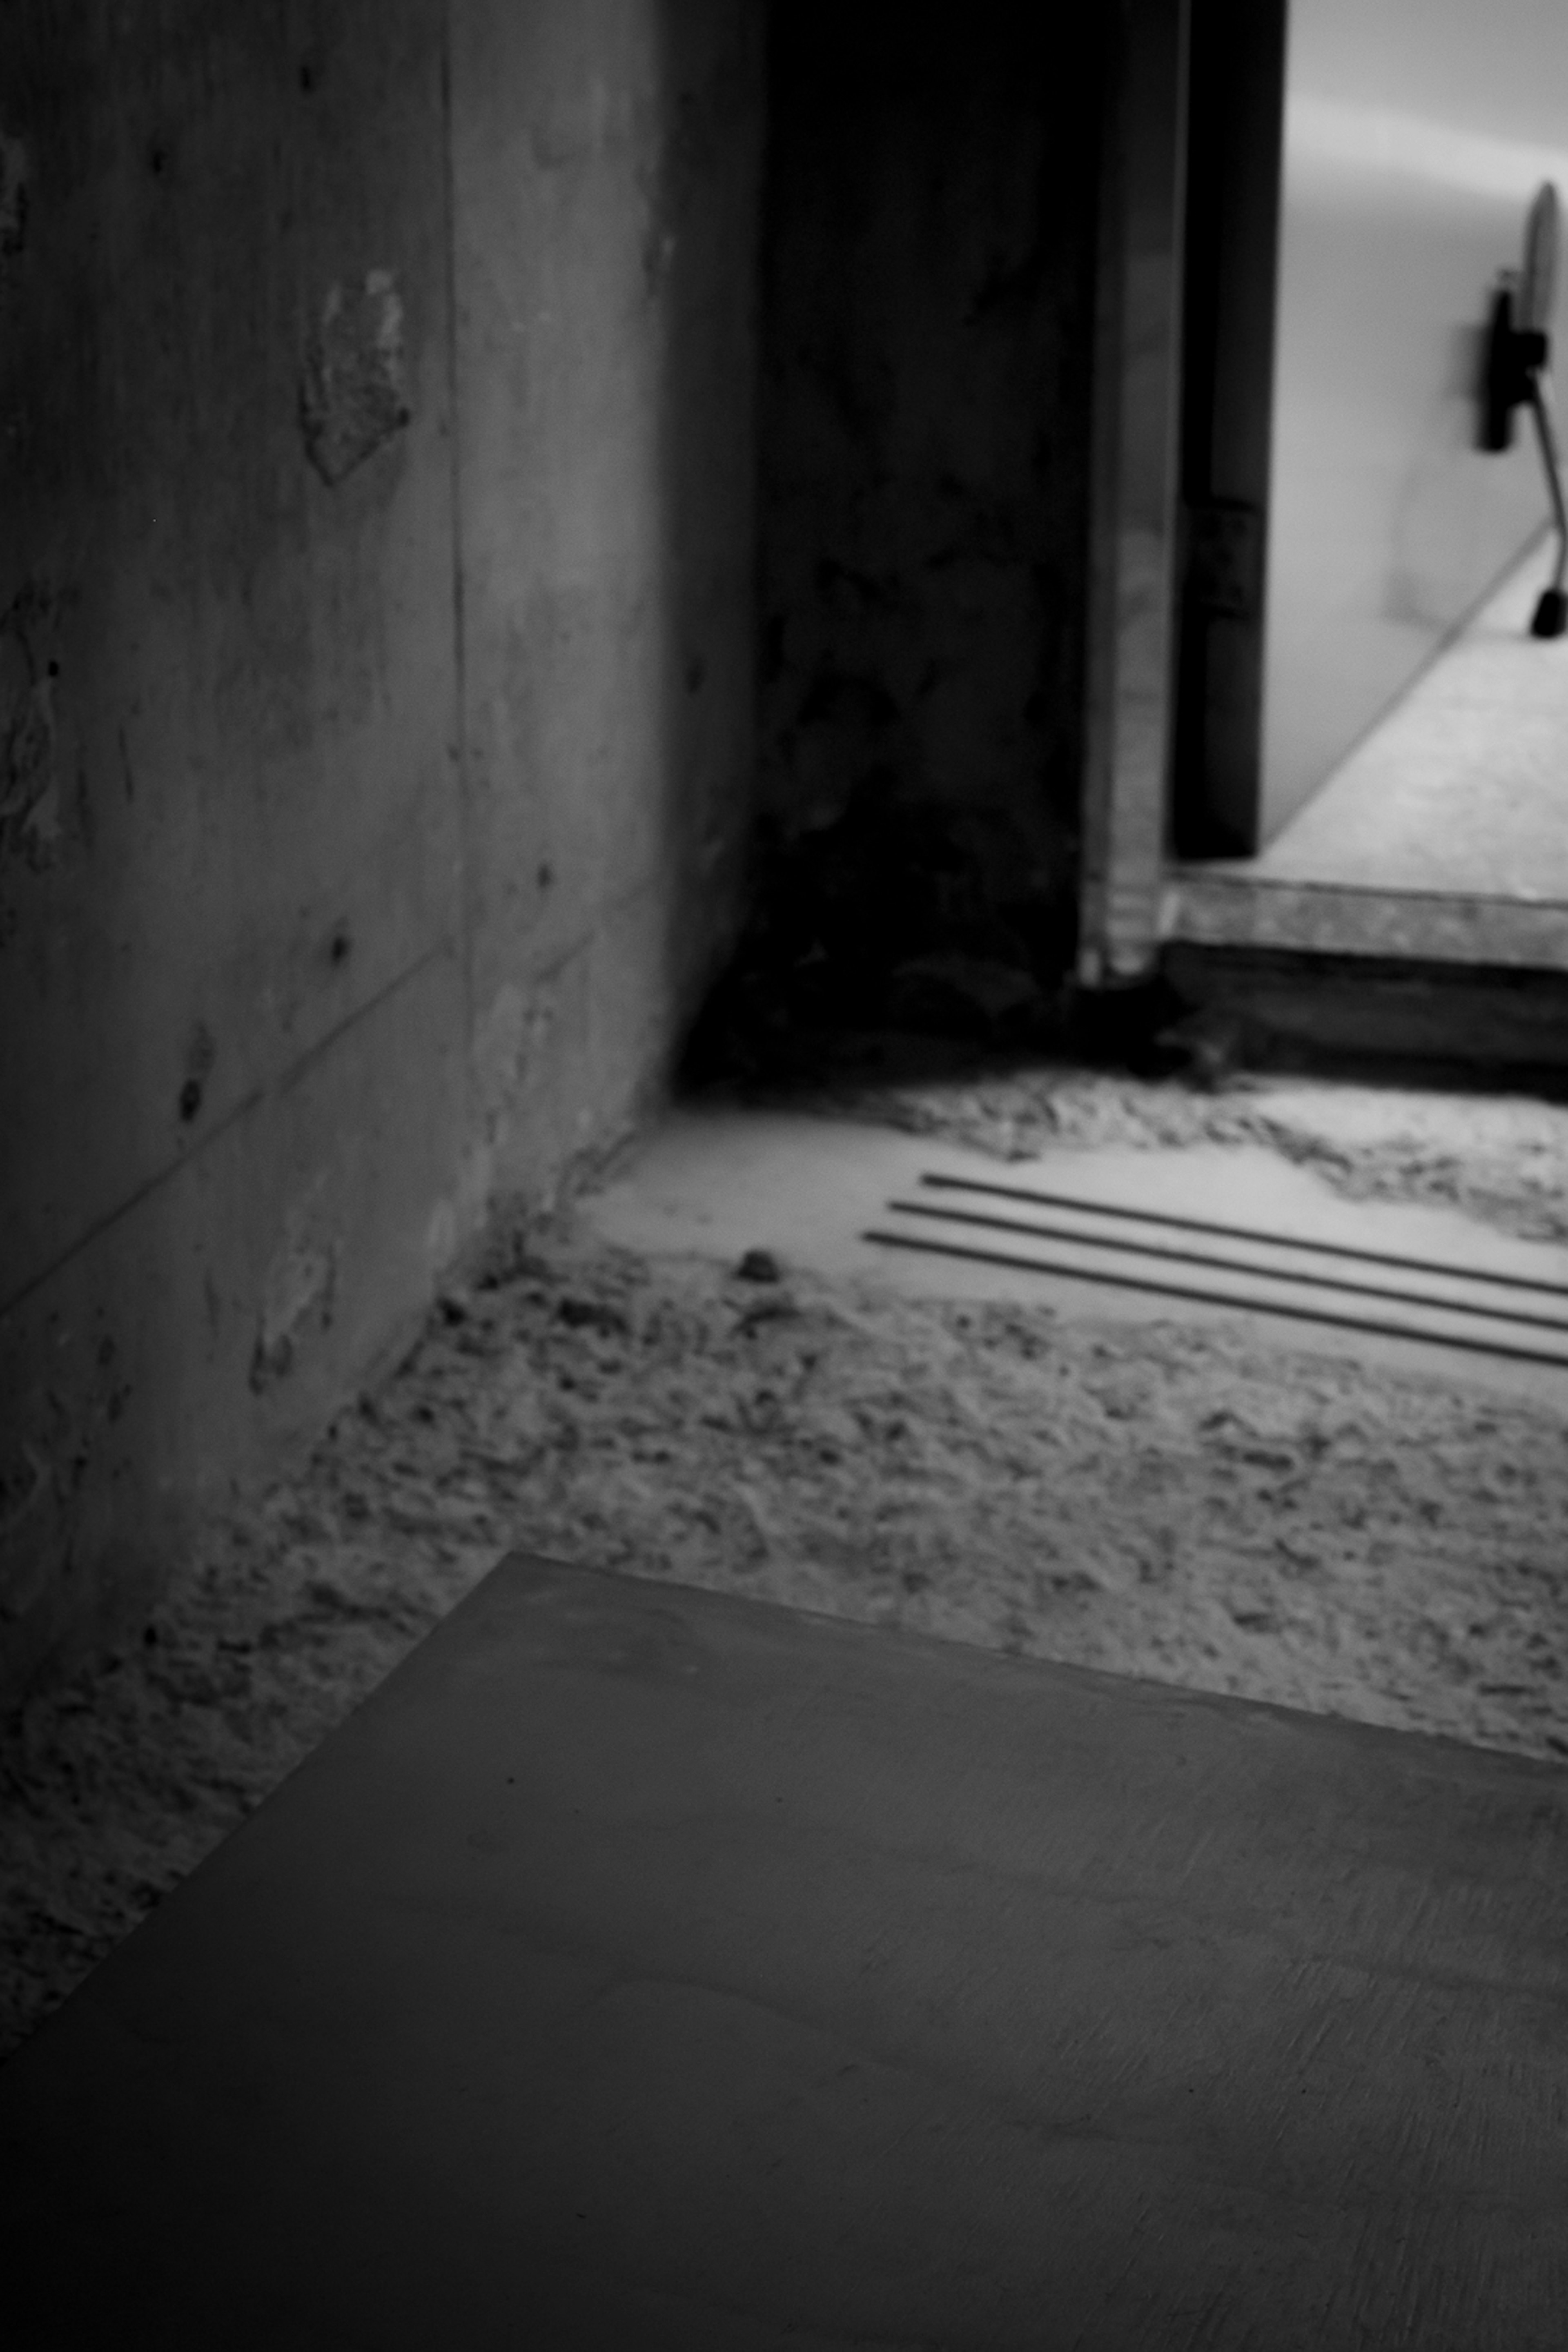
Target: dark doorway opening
927, 290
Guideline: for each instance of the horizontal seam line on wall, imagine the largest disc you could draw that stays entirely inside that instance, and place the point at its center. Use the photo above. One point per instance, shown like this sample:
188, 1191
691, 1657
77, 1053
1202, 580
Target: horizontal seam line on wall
324, 1043
248, 1102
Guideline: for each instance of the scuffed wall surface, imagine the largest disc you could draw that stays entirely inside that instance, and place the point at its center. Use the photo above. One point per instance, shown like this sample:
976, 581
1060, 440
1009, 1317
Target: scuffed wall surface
228, 858
930, 238
290, 983
606, 161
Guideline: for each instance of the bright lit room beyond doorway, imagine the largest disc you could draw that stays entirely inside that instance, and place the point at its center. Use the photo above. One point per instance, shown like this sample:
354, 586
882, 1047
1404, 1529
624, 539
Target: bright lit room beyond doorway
1455, 804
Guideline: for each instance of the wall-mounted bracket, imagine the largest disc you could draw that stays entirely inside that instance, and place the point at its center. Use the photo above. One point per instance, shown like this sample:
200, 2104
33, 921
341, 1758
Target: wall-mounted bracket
1515, 355
1518, 376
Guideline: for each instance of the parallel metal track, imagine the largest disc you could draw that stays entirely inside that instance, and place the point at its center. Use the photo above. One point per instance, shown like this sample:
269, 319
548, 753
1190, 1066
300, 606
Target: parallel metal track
1242, 1233
1299, 1311
1176, 1253
1261, 1286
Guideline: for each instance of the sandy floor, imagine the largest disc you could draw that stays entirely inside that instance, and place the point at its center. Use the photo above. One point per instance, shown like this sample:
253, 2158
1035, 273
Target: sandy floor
1192, 1501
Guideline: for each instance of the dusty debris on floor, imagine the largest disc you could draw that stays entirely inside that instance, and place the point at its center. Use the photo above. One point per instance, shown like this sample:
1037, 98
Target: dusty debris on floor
1173, 1500
1502, 1158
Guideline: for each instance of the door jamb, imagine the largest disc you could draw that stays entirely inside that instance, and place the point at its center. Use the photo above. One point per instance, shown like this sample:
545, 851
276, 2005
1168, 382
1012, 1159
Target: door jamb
1135, 554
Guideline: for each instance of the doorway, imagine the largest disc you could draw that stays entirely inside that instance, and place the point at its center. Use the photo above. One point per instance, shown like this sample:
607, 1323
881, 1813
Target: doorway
1366, 738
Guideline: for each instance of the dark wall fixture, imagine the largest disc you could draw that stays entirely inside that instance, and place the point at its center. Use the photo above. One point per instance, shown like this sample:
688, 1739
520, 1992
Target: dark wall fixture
1516, 374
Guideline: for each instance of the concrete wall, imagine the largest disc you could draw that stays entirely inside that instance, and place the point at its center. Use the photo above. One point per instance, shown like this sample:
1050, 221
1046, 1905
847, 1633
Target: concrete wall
929, 281
375, 414
605, 165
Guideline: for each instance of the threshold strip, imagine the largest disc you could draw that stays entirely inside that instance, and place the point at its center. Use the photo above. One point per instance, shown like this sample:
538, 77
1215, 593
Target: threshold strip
1298, 1311
1027, 1194
1173, 1252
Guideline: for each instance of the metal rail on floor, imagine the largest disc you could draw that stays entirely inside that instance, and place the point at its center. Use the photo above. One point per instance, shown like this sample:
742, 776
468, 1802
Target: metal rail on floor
1472, 1342
1177, 1253
1245, 1234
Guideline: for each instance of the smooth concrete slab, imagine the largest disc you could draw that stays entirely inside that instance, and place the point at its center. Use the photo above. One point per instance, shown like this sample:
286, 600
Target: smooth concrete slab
650, 1968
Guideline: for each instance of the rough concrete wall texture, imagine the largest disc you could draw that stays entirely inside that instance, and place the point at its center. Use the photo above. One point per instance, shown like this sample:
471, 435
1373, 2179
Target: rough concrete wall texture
929, 227
605, 162
258, 913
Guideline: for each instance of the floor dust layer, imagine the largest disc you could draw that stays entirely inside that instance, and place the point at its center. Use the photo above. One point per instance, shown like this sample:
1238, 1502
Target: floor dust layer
1181, 1502
1500, 1158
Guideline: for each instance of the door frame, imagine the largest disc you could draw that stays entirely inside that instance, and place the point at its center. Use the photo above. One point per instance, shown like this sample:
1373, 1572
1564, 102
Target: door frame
1186, 266
1134, 463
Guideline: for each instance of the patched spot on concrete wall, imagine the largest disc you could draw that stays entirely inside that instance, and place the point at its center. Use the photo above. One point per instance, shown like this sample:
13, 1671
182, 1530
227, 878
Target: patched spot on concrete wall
13, 200
296, 1301
54, 1433
27, 1525
353, 391
30, 809
201, 1051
